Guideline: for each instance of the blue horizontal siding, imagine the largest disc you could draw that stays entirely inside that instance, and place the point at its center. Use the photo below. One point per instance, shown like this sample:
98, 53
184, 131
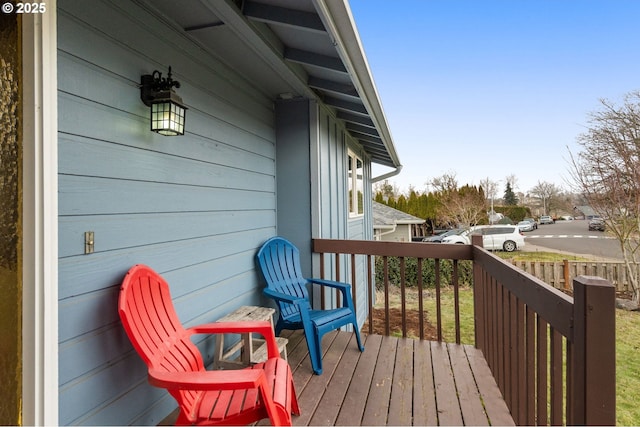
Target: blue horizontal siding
195, 208
91, 196
89, 273
195, 164
113, 232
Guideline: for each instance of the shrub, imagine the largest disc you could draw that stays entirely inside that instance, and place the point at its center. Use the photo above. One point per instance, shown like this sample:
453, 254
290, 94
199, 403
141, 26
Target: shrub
465, 272
516, 213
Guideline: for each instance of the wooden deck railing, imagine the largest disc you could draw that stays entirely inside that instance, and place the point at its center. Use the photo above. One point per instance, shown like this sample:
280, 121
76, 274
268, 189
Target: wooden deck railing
552, 355
385, 250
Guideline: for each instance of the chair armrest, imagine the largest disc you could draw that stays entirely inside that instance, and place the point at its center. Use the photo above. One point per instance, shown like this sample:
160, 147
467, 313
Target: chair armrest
207, 380
263, 328
331, 283
283, 297
344, 288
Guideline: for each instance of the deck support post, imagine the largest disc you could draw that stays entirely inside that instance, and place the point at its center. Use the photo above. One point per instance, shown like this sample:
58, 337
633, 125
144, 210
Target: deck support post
593, 364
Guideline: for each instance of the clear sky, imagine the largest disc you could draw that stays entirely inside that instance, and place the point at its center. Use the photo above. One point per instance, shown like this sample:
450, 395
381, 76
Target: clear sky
487, 89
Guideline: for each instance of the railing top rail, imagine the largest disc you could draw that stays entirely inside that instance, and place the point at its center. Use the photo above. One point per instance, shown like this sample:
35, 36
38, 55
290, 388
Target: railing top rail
401, 249
551, 304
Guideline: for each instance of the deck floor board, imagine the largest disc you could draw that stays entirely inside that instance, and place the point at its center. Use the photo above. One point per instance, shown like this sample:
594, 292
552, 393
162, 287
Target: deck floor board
395, 381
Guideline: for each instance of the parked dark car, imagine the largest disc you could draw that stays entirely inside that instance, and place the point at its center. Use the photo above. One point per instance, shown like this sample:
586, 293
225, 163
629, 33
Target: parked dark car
596, 224
438, 238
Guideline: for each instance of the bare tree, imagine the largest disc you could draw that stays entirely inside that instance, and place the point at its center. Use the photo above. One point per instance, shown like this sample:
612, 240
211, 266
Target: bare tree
545, 192
387, 189
607, 172
464, 206
490, 189
445, 183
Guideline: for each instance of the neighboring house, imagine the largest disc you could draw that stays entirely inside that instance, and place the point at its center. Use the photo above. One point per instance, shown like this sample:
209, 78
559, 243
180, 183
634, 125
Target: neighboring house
586, 212
282, 127
391, 224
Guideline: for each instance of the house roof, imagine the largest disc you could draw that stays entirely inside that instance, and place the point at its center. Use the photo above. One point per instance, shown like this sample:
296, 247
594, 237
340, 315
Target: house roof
293, 48
586, 210
387, 217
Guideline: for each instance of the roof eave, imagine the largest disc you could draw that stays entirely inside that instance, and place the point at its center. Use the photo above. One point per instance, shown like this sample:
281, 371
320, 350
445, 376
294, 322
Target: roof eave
338, 20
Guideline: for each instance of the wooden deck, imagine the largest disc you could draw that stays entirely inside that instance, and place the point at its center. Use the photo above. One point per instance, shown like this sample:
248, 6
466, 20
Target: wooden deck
395, 381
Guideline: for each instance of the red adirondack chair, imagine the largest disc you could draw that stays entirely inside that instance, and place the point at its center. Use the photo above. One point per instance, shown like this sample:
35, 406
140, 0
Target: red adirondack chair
229, 397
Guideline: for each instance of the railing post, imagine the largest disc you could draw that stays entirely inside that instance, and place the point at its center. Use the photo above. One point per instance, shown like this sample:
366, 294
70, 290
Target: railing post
478, 299
593, 365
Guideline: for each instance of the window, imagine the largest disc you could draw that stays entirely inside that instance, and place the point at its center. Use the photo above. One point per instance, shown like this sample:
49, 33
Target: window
356, 185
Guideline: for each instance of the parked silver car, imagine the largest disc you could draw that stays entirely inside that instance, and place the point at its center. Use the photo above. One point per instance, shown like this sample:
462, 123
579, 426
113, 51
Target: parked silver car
525, 225
533, 222
546, 219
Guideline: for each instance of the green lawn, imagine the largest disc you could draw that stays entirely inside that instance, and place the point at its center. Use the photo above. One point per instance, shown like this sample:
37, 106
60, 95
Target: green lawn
538, 256
627, 367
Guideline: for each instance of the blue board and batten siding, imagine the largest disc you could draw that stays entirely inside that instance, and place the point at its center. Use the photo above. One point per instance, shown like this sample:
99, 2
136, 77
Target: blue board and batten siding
312, 155
195, 208
332, 220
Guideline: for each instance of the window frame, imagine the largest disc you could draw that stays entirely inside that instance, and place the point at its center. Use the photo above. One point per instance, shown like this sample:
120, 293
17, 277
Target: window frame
355, 180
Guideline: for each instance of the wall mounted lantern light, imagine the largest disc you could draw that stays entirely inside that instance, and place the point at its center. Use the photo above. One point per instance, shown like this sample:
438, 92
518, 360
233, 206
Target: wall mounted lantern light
168, 112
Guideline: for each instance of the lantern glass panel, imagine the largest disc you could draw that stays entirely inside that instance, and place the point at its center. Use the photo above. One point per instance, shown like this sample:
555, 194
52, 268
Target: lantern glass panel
167, 118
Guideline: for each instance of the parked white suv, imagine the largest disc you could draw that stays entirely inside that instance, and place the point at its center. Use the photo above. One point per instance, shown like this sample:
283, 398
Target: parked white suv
494, 237
461, 238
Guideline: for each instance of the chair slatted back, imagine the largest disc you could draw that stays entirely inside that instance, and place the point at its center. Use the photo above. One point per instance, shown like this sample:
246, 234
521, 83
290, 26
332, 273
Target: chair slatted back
280, 265
153, 327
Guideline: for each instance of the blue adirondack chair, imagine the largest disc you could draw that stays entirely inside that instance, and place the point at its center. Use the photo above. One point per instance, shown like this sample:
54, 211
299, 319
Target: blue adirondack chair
279, 262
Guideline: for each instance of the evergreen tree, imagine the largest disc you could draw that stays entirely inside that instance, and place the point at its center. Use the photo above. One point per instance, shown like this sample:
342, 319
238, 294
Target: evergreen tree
510, 198
401, 204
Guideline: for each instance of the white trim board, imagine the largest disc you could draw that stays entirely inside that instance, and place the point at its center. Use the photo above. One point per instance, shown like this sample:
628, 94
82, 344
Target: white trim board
40, 219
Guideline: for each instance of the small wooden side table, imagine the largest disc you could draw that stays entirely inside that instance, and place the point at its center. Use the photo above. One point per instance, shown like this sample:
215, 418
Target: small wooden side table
252, 350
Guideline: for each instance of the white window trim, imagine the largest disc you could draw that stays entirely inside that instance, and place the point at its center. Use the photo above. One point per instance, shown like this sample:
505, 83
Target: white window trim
352, 183
40, 219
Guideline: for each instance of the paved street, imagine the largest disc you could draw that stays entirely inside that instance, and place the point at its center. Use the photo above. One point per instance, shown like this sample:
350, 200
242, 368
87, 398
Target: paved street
575, 237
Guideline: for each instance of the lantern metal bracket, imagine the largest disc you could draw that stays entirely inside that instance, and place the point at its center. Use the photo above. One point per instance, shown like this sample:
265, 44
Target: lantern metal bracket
154, 86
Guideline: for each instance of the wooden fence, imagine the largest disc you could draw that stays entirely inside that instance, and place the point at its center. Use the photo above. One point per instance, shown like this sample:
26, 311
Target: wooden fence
560, 274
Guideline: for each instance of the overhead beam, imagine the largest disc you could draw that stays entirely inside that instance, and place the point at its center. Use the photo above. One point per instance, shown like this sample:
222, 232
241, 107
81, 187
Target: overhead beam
368, 138
284, 16
239, 24
309, 58
204, 26
333, 86
355, 118
366, 130
374, 151
346, 105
